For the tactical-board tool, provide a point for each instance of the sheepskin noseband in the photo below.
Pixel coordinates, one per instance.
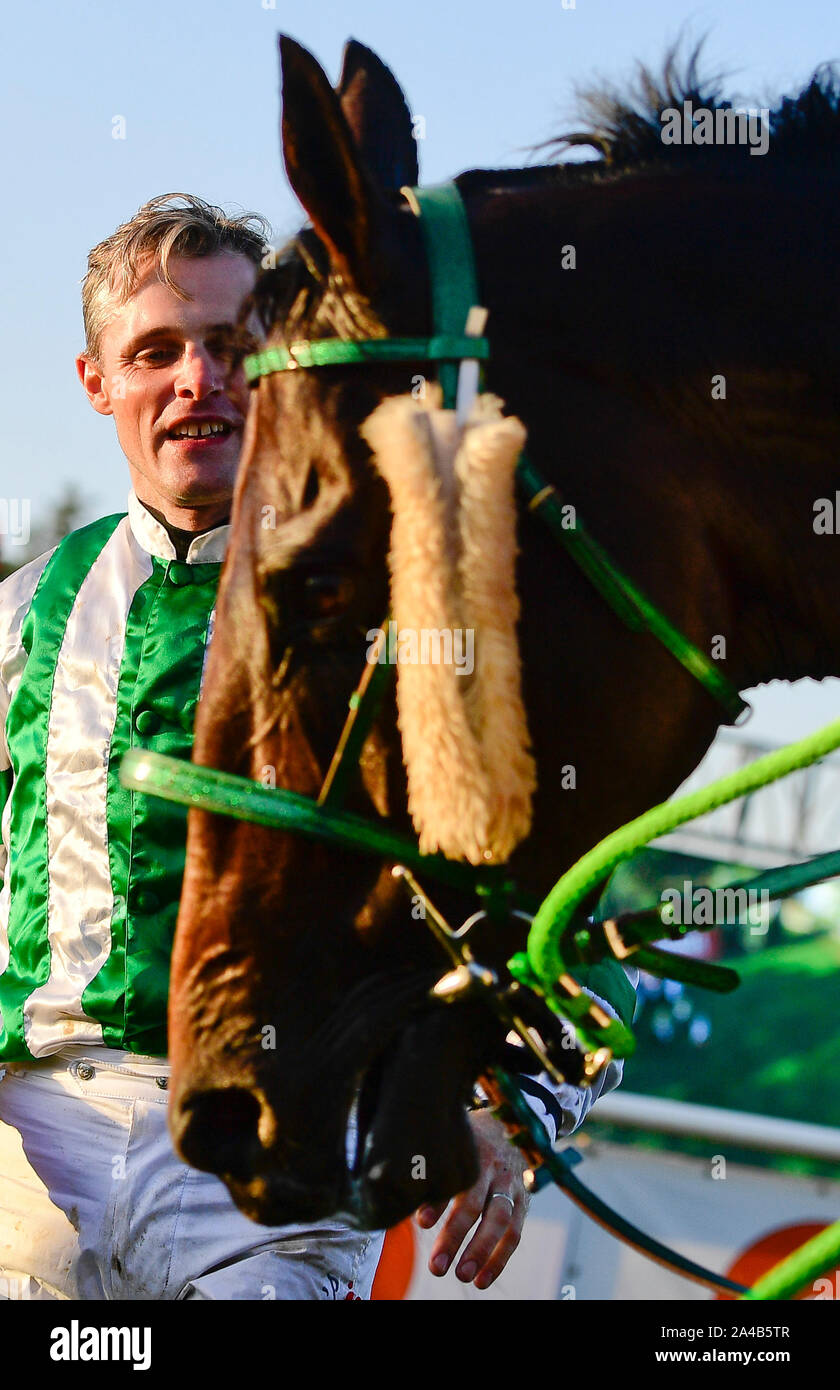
(471, 776)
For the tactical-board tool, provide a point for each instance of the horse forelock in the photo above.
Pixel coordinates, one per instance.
(301, 296)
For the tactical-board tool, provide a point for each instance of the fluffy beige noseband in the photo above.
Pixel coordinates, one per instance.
(471, 776)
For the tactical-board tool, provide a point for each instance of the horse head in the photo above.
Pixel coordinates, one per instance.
(300, 977)
(300, 972)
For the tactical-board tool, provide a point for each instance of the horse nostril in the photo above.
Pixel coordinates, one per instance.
(218, 1131)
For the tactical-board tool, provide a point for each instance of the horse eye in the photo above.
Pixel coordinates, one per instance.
(326, 595)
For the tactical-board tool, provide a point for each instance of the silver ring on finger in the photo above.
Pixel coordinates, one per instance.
(505, 1198)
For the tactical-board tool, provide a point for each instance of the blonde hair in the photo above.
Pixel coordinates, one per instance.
(171, 224)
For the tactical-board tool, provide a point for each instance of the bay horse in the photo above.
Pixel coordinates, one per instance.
(679, 384)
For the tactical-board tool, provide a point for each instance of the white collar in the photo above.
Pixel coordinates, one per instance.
(154, 538)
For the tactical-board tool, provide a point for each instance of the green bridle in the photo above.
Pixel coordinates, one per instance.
(558, 942)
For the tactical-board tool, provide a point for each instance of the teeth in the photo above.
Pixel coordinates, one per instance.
(196, 431)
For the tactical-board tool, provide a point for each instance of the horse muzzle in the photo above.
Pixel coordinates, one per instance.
(289, 1157)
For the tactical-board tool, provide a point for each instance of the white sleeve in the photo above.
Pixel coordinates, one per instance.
(564, 1107)
(15, 597)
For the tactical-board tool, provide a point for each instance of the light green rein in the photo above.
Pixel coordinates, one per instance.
(543, 963)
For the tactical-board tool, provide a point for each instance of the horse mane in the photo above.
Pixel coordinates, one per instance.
(625, 128)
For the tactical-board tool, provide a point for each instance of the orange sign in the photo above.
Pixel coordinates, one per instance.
(760, 1257)
(396, 1263)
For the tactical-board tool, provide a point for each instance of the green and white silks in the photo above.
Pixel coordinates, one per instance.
(102, 646)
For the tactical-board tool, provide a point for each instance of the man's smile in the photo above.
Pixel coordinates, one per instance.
(200, 433)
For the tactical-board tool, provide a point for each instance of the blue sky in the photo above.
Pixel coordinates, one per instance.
(196, 84)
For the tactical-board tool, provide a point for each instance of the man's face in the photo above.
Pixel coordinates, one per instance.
(168, 374)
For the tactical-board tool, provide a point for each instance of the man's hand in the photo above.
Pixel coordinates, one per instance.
(497, 1201)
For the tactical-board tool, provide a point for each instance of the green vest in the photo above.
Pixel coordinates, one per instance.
(106, 654)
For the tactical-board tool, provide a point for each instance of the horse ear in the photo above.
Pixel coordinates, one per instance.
(324, 165)
(375, 108)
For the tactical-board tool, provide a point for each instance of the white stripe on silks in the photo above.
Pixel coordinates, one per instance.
(211, 628)
(16, 594)
(15, 598)
(82, 717)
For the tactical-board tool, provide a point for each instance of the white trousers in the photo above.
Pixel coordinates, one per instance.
(94, 1203)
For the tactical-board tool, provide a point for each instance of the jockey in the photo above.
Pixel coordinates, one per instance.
(102, 647)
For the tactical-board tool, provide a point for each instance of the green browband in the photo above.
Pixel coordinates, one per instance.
(339, 352)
